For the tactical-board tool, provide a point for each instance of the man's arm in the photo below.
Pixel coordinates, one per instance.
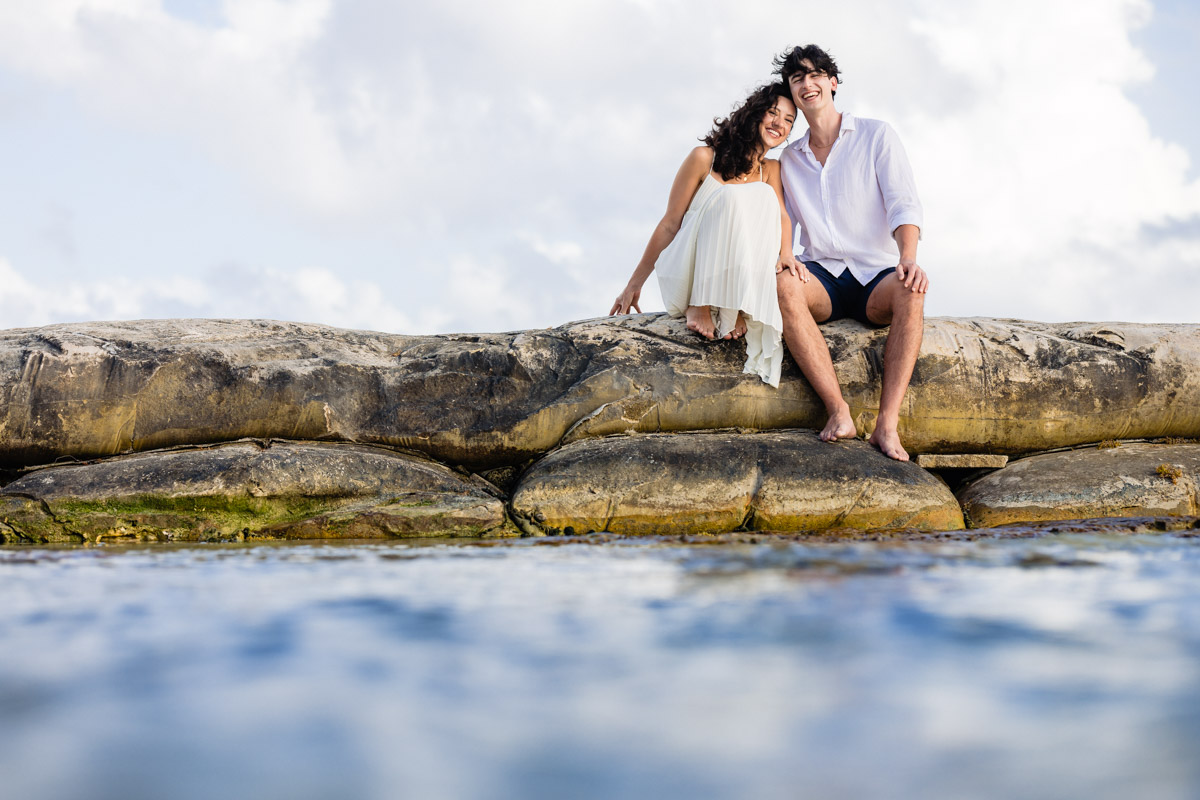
(909, 273)
(896, 183)
(904, 212)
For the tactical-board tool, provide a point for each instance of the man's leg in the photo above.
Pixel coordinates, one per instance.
(904, 309)
(801, 305)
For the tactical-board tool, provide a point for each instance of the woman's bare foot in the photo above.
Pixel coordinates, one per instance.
(739, 328)
(840, 426)
(887, 441)
(699, 319)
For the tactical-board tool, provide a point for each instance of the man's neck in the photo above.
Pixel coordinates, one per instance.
(824, 124)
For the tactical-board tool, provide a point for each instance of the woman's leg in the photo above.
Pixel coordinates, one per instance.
(739, 328)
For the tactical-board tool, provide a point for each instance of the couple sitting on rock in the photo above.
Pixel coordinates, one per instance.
(723, 250)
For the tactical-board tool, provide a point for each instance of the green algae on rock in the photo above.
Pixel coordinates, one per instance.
(722, 481)
(1125, 481)
(24, 520)
(250, 489)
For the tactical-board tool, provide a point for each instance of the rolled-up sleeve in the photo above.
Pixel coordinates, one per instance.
(896, 183)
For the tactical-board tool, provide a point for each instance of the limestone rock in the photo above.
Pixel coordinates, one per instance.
(961, 461)
(723, 481)
(250, 490)
(495, 400)
(1123, 481)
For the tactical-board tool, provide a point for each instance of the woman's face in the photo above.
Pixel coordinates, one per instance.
(777, 122)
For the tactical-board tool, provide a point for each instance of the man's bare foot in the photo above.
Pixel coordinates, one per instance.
(840, 426)
(739, 327)
(699, 319)
(887, 441)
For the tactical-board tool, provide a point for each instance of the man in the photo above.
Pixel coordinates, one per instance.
(848, 185)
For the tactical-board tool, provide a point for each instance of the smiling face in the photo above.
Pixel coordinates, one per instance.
(777, 122)
(812, 89)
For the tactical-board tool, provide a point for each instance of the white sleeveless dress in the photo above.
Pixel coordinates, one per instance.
(724, 256)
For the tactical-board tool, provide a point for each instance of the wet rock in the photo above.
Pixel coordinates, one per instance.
(284, 490)
(24, 520)
(1133, 480)
(724, 481)
(497, 400)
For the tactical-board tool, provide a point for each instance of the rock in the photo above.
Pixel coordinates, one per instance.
(961, 461)
(104, 388)
(490, 401)
(724, 481)
(283, 490)
(24, 520)
(1133, 480)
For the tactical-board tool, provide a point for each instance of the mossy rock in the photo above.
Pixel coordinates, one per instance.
(24, 520)
(246, 490)
(724, 481)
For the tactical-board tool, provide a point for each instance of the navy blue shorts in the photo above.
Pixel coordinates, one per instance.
(847, 296)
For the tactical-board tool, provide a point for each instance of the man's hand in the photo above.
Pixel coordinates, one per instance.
(626, 300)
(912, 276)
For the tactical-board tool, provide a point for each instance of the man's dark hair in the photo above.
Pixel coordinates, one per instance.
(735, 140)
(788, 64)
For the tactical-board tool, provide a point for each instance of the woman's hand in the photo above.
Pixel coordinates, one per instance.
(691, 174)
(788, 261)
(626, 300)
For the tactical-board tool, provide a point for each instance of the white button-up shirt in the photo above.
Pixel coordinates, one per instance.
(848, 209)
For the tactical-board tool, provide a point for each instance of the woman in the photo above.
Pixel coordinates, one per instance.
(726, 233)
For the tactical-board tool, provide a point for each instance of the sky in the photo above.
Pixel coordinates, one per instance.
(489, 166)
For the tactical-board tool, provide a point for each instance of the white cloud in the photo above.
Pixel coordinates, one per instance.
(24, 303)
(511, 159)
(562, 253)
(309, 294)
(471, 295)
(1046, 188)
(236, 92)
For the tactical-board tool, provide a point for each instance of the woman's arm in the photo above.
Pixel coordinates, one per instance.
(683, 189)
(787, 259)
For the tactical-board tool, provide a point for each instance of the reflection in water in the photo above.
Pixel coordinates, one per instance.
(1057, 665)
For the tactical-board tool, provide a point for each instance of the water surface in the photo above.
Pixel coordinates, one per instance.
(1062, 665)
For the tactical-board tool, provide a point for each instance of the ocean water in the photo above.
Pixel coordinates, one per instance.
(1056, 665)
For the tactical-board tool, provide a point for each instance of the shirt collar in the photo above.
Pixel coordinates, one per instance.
(847, 125)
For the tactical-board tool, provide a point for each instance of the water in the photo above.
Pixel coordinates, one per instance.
(1057, 666)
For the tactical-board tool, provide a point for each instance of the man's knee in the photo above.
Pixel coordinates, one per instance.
(791, 294)
(911, 304)
(804, 299)
(891, 300)
(908, 301)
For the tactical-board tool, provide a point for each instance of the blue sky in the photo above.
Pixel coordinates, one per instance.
(480, 166)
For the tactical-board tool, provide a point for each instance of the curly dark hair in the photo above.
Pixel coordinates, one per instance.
(735, 139)
(788, 64)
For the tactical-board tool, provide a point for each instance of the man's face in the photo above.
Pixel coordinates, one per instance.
(811, 88)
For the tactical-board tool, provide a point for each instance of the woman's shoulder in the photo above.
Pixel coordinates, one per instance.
(697, 163)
